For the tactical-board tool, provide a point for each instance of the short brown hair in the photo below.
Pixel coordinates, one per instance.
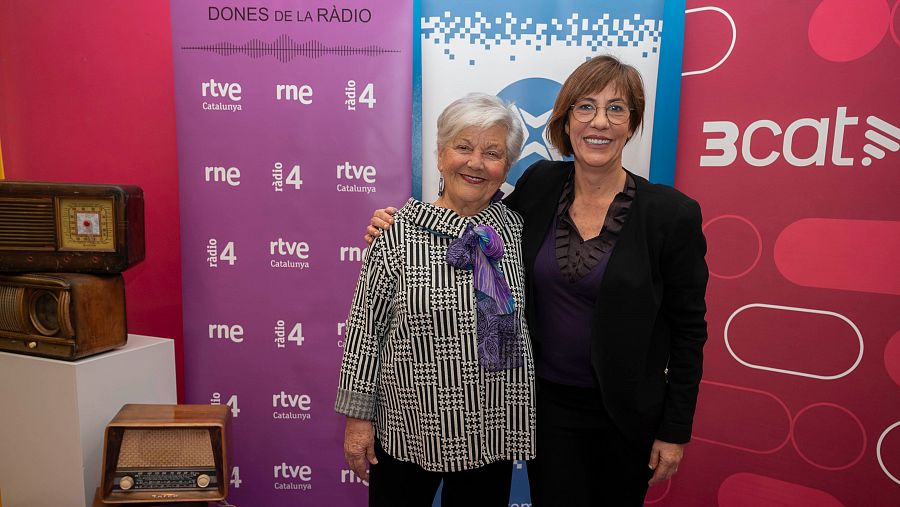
(592, 77)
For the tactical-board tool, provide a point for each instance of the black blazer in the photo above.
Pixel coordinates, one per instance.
(649, 322)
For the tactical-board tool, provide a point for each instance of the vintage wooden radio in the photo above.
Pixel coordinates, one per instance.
(165, 453)
(75, 228)
(62, 315)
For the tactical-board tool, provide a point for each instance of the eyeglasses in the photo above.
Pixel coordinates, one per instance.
(616, 113)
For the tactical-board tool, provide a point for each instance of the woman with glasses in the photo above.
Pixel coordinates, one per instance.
(615, 301)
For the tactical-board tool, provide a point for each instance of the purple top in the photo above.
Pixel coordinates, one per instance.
(568, 272)
(564, 311)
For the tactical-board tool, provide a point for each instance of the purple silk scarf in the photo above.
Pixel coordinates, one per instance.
(480, 249)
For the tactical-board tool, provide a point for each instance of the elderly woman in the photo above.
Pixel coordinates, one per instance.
(437, 380)
(616, 283)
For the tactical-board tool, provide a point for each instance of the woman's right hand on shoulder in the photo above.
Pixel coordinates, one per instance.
(381, 221)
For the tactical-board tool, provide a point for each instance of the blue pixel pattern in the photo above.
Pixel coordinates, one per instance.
(510, 32)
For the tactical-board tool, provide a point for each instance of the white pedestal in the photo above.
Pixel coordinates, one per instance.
(53, 415)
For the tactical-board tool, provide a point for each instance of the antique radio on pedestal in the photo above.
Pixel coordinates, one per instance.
(70, 227)
(52, 231)
(165, 453)
(62, 315)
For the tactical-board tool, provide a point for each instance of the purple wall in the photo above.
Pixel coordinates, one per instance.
(271, 253)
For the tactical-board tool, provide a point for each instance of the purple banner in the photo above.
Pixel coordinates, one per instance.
(293, 123)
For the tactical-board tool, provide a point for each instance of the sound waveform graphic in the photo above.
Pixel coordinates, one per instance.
(285, 49)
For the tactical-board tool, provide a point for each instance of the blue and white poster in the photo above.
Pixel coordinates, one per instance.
(523, 52)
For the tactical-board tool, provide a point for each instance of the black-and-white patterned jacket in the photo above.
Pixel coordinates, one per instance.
(410, 356)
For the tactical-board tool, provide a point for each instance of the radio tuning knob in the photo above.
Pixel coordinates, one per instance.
(32, 345)
(126, 483)
(202, 480)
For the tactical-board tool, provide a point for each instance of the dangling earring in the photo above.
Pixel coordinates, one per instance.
(441, 187)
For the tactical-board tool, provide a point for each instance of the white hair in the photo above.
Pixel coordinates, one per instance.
(483, 111)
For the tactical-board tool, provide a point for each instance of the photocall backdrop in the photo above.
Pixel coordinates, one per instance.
(294, 122)
(788, 138)
(522, 52)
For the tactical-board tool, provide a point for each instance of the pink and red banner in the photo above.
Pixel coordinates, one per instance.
(293, 123)
(788, 137)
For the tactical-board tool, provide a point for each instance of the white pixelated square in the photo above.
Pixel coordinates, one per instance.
(88, 223)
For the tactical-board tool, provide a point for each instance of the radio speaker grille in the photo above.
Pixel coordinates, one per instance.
(10, 304)
(166, 448)
(27, 223)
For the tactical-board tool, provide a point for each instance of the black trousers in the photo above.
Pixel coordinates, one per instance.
(395, 483)
(583, 460)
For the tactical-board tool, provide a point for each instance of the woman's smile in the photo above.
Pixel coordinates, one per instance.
(474, 180)
(597, 140)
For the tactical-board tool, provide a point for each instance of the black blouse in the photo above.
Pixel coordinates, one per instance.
(576, 256)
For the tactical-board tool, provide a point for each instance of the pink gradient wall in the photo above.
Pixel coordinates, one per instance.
(86, 95)
(798, 404)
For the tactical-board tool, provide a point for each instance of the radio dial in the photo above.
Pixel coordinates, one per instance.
(126, 483)
(202, 480)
